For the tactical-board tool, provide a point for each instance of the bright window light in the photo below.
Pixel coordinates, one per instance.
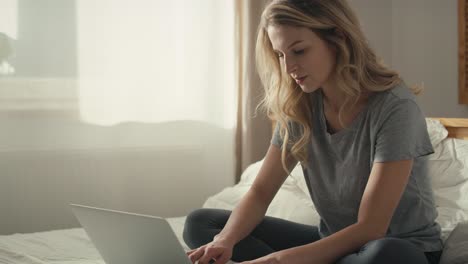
(9, 18)
(156, 61)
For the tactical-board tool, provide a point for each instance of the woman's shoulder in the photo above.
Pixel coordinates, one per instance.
(397, 95)
(399, 92)
(398, 101)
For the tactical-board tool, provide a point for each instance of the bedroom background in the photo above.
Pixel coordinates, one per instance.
(163, 152)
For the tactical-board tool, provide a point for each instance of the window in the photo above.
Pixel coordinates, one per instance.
(115, 61)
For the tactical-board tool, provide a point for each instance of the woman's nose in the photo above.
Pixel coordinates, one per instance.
(291, 65)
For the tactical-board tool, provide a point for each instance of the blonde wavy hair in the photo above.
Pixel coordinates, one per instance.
(358, 71)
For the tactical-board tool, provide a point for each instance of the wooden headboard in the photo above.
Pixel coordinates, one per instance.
(457, 127)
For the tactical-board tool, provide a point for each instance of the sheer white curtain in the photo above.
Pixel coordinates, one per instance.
(127, 104)
(8, 29)
(156, 61)
(8, 18)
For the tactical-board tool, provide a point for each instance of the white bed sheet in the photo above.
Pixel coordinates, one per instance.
(68, 246)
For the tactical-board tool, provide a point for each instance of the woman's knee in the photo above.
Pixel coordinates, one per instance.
(198, 216)
(392, 250)
(207, 217)
(192, 225)
(200, 223)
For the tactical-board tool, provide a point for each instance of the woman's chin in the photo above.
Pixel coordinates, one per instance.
(308, 88)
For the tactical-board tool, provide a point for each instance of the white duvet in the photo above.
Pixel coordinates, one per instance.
(53, 247)
(68, 246)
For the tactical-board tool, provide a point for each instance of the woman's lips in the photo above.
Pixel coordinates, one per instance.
(300, 81)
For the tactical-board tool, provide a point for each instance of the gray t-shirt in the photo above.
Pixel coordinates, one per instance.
(391, 127)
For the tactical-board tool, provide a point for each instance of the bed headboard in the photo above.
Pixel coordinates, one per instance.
(457, 127)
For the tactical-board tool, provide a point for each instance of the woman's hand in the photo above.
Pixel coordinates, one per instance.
(273, 258)
(219, 251)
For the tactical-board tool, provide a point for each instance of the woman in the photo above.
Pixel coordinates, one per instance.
(361, 140)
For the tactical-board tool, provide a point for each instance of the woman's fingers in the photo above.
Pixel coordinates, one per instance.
(196, 254)
(191, 251)
(210, 253)
(223, 259)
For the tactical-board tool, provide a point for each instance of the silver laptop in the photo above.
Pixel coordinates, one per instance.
(124, 238)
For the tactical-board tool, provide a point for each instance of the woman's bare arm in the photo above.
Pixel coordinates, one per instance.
(253, 206)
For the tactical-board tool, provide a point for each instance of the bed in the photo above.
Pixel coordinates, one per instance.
(448, 168)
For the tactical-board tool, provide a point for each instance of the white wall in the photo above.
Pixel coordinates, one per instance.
(376, 19)
(425, 48)
(419, 39)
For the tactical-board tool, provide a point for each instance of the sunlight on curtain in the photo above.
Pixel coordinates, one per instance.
(156, 61)
(8, 30)
(9, 18)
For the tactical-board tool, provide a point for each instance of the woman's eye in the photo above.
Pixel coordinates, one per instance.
(298, 52)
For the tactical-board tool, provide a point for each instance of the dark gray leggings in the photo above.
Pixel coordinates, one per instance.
(275, 234)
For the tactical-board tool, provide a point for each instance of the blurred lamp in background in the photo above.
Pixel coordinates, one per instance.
(6, 51)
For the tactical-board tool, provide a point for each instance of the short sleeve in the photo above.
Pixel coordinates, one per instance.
(294, 134)
(277, 140)
(402, 134)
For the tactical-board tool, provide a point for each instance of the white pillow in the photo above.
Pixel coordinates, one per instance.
(290, 203)
(448, 219)
(437, 132)
(448, 166)
(448, 171)
(295, 179)
(455, 249)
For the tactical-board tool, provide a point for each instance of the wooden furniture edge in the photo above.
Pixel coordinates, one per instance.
(457, 127)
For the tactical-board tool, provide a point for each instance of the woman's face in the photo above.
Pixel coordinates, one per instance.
(303, 55)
